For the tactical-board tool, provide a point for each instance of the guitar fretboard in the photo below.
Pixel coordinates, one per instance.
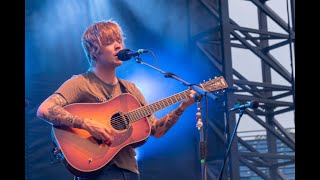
(156, 106)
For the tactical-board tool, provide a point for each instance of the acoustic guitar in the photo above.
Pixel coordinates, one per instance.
(127, 119)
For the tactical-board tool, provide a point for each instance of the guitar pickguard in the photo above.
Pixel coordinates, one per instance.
(119, 138)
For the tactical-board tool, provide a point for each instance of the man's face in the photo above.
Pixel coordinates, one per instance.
(107, 54)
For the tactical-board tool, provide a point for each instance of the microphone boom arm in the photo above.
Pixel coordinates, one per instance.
(198, 89)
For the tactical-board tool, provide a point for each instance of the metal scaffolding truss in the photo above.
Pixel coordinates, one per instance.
(215, 36)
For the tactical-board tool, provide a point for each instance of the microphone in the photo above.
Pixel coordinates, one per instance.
(126, 54)
(252, 104)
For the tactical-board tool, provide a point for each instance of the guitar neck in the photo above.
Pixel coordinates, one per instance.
(147, 110)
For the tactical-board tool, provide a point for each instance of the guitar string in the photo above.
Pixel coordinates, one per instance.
(118, 121)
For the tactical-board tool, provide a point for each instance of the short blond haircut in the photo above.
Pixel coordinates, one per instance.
(99, 34)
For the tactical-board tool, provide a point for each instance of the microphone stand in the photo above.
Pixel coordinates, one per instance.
(198, 89)
(202, 145)
(229, 146)
(198, 98)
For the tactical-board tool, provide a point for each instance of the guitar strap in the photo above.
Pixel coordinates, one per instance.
(122, 87)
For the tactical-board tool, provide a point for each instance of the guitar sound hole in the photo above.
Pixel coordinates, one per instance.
(120, 121)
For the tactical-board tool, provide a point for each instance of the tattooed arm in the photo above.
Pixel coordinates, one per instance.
(161, 126)
(52, 111)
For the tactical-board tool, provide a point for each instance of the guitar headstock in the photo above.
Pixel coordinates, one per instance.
(218, 83)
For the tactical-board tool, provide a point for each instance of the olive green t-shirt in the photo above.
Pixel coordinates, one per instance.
(88, 88)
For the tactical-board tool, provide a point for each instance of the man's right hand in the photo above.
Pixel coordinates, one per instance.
(98, 130)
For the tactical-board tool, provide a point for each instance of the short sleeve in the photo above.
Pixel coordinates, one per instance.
(70, 89)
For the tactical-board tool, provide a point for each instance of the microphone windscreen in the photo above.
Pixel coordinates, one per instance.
(254, 104)
(123, 55)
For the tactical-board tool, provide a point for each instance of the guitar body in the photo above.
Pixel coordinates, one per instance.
(82, 152)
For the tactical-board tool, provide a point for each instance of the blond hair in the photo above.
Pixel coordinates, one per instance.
(99, 34)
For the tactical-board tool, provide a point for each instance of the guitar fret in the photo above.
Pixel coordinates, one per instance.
(169, 101)
(153, 108)
(159, 105)
(156, 106)
(132, 117)
(176, 98)
(180, 96)
(141, 114)
(172, 100)
(165, 103)
(145, 113)
(162, 104)
(136, 115)
(129, 116)
(148, 110)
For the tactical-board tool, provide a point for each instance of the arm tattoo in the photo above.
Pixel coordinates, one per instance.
(178, 112)
(56, 110)
(59, 116)
(162, 126)
(78, 122)
(58, 100)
